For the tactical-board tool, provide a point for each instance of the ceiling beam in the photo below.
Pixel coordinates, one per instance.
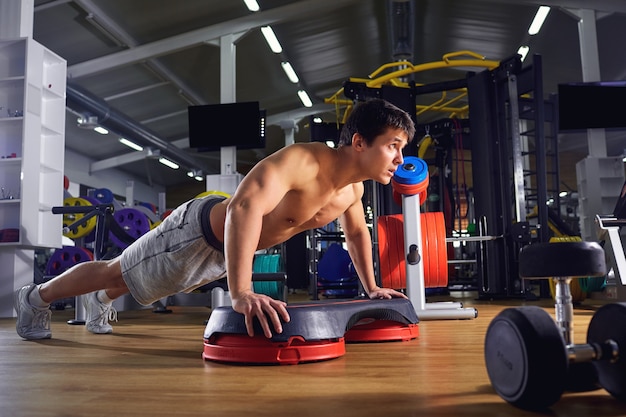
(113, 30)
(120, 160)
(199, 36)
(608, 6)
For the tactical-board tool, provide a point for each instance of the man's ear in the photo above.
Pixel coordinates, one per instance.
(358, 142)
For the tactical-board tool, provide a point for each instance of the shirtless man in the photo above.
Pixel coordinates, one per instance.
(300, 187)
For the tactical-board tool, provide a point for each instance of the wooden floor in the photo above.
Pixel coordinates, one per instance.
(152, 366)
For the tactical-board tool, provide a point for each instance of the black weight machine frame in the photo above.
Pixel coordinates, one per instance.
(496, 106)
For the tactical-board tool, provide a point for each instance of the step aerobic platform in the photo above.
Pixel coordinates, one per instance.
(317, 331)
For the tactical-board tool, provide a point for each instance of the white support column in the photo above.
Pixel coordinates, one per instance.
(590, 63)
(228, 68)
(162, 204)
(228, 92)
(289, 129)
(130, 193)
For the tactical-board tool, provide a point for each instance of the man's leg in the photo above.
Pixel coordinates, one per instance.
(32, 302)
(84, 278)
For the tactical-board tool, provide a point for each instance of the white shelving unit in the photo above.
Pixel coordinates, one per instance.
(32, 148)
(32, 142)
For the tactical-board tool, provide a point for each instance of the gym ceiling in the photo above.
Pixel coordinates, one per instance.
(149, 60)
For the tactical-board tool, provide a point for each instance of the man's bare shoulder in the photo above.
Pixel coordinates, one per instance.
(302, 157)
(315, 150)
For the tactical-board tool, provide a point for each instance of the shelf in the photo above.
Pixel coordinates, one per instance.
(16, 79)
(11, 119)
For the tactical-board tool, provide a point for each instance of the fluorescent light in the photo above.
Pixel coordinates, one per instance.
(168, 163)
(304, 98)
(190, 174)
(101, 130)
(252, 5)
(523, 51)
(541, 15)
(317, 119)
(330, 143)
(563, 194)
(199, 178)
(291, 74)
(271, 39)
(131, 144)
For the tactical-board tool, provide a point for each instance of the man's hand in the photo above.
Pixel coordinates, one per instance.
(262, 307)
(385, 293)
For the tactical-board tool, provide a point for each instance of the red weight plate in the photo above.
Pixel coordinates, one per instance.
(383, 251)
(442, 249)
(427, 247)
(398, 264)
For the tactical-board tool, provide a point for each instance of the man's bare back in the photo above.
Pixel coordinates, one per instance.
(314, 199)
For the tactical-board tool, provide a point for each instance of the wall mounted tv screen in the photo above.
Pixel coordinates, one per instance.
(214, 126)
(592, 105)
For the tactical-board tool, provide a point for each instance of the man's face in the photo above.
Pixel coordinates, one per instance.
(384, 156)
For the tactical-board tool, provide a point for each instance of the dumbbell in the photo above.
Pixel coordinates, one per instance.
(531, 359)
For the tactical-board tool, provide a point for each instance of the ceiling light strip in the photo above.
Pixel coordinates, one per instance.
(305, 99)
(291, 74)
(271, 39)
(252, 5)
(131, 144)
(540, 17)
(168, 163)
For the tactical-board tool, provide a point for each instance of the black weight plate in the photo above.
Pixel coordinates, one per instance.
(563, 259)
(609, 323)
(526, 357)
(582, 377)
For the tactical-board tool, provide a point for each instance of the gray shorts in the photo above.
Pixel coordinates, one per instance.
(173, 257)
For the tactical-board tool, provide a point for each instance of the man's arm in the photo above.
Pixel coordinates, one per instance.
(359, 243)
(257, 195)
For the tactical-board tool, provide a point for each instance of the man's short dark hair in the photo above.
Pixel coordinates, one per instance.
(372, 118)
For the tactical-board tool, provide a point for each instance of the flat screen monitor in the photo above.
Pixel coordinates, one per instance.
(592, 105)
(213, 126)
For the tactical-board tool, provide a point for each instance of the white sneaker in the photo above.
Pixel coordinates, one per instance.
(98, 314)
(32, 322)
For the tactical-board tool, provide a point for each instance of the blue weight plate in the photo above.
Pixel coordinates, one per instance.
(104, 195)
(414, 170)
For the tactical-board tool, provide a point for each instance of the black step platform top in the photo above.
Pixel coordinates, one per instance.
(317, 320)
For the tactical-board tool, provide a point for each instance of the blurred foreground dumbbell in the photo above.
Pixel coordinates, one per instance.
(531, 359)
